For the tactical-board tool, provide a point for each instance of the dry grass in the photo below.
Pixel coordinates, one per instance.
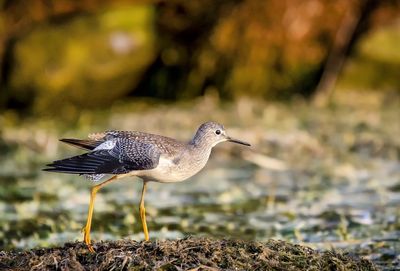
(184, 254)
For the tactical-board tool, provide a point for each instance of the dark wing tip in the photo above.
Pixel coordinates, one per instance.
(67, 140)
(85, 144)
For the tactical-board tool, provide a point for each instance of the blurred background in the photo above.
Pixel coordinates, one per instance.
(314, 85)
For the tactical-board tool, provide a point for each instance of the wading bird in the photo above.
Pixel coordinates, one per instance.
(147, 156)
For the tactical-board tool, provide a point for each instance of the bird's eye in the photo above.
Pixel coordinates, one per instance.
(218, 132)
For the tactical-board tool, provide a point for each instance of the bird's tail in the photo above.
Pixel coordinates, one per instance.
(85, 144)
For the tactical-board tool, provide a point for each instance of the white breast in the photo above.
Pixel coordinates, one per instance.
(167, 172)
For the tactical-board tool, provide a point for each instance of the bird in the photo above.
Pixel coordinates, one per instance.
(117, 154)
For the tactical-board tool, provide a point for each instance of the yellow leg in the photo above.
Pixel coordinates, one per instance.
(142, 211)
(86, 229)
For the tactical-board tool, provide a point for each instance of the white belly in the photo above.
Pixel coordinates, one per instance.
(167, 172)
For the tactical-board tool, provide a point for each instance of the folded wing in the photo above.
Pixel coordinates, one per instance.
(115, 156)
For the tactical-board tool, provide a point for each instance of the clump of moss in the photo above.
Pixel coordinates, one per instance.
(189, 253)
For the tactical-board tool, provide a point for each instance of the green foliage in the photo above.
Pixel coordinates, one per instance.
(85, 57)
(88, 61)
(376, 62)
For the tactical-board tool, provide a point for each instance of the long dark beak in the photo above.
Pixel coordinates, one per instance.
(237, 141)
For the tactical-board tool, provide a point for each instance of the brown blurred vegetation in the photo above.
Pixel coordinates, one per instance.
(88, 54)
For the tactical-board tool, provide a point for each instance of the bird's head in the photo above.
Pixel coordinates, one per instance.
(212, 133)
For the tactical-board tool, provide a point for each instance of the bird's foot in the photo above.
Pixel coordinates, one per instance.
(86, 238)
(90, 248)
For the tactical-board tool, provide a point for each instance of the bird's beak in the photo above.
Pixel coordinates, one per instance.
(230, 139)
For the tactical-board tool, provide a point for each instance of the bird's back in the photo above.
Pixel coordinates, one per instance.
(167, 146)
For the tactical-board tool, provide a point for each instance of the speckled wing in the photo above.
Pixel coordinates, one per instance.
(135, 155)
(114, 156)
(166, 145)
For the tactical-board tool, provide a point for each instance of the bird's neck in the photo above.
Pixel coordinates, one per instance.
(199, 149)
(199, 143)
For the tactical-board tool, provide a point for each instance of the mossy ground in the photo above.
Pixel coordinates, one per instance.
(183, 254)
